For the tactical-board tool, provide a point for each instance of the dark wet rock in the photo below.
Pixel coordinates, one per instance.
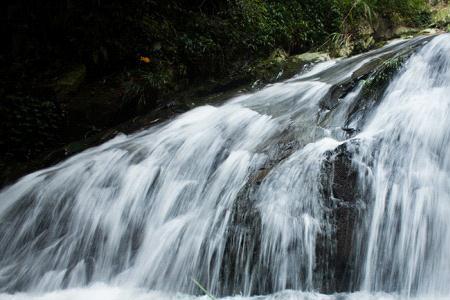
(371, 69)
(343, 198)
(243, 246)
(335, 264)
(372, 90)
(340, 90)
(243, 243)
(384, 29)
(350, 131)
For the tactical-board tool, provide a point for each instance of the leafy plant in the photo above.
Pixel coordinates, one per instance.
(143, 87)
(29, 126)
(203, 289)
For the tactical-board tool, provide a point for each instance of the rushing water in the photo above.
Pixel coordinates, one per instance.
(233, 196)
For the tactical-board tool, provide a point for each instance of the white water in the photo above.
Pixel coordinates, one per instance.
(407, 142)
(140, 216)
(102, 291)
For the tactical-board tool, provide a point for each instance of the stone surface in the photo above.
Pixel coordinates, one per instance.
(310, 57)
(280, 66)
(343, 198)
(430, 31)
(402, 31)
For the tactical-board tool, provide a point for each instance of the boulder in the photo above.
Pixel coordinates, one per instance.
(280, 66)
(403, 31)
(269, 70)
(383, 29)
(296, 63)
(342, 197)
(429, 31)
(309, 57)
(363, 44)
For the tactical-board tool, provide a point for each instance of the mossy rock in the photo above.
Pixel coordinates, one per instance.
(309, 57)
(429, 31)
(269, 69)
(280, 66)
(374, 85)
(344, 49)
(278, 56)
(70, 81)
(295, 63)
(363, 44)
(403, 31)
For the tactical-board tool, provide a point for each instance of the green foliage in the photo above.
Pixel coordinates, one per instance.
(184, 41)
(28, 121)
(142, 87)
(441, 16)
(339, 43)
(203, 289)
(210, 38)
(364, 22)
(410, 12)
(245, 30)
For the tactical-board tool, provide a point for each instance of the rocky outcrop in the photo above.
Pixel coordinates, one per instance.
(365, 71)
(336, 268)
(243, 246)
(343, 198)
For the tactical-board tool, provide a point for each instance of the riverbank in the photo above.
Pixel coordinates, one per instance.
(59, 102)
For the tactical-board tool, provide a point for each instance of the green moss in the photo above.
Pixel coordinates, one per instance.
(280, 66)
(267, 70)
(376, 83)
(363, 44)
(404, 31)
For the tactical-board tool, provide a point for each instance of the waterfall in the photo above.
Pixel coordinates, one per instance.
(248, 198)
(406, 143)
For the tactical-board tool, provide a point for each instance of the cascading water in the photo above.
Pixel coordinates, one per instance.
(406, 148)
(236, 197)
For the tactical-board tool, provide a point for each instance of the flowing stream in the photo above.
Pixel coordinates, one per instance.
(239, 197)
